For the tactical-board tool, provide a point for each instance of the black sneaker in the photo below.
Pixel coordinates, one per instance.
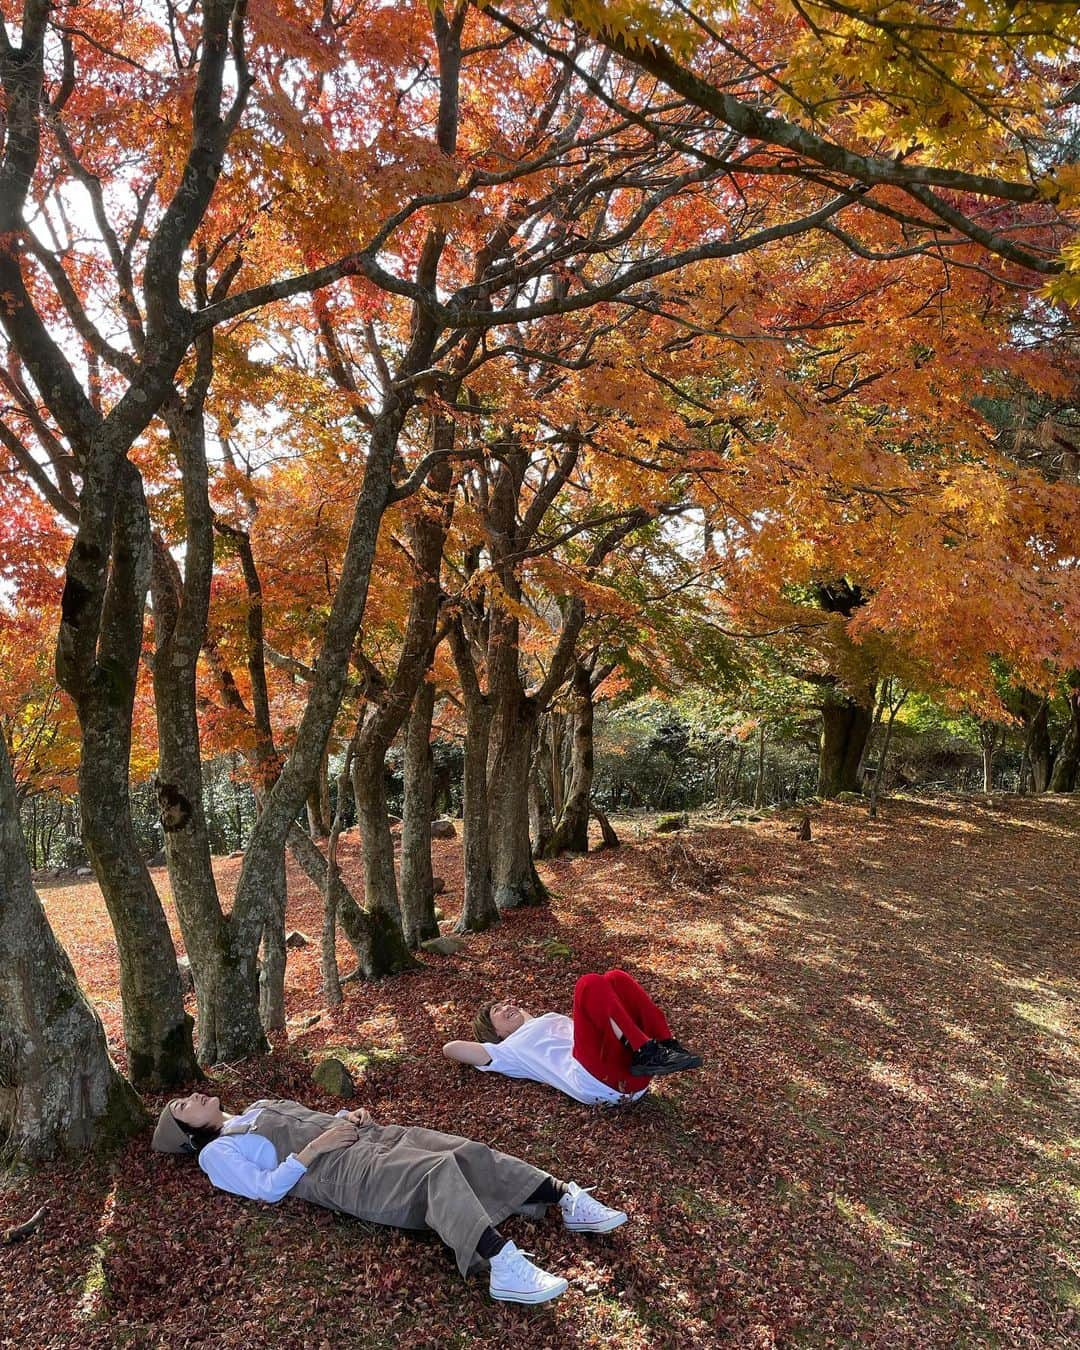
(654, 1059)
(672, 1044)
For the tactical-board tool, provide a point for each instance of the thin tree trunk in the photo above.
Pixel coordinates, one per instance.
(541, 825)
(228, 986)
(389, 954)
(331, 979)
(572, 831)
(1067, 764)
(759, 781)
(609, 839)
(318, 802)
(417, 878)
(880, 774)
(478, 910)
(157, 1031)
(59, 1090)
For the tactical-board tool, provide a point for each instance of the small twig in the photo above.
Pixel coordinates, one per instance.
(22, 1231)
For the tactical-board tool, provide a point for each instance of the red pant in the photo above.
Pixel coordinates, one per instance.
(599, 999)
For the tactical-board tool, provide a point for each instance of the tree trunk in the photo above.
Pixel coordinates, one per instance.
(290, 790)
(331, 977)
(157, 1031)
(318, 802)
(389, 952)
(608, 839)
(479, 910)
(227, 987)
(513, 876)
(353, 920)
(274, 955)
(541, 825)
(1037, 745)
(572, 832)
(845, 727)
(1067, 765)
(759, 781)
(59, 1090)
(879, 776)
(417, 879)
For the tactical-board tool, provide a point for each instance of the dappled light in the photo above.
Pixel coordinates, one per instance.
(889, 1096)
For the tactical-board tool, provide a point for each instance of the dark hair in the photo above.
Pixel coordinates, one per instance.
(200, 1135)
(485, 1027)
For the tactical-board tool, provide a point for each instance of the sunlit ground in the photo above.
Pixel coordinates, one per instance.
(883, 1148)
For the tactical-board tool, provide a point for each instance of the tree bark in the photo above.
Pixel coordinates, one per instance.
(1067, 765)
(1036, 716)
(541, 824)
(417, 878)
(572, 831)
(478, 910)
(318, 802)
(845, 727)
(389, 953)
(157, 1031)
(228, 987)
(59, 1090)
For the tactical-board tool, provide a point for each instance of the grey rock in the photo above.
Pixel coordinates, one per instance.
(443, 829)
(333, 1077)
(302, 1023)
(438, 885)
(84, 871)
(297, 939)
(447, 945)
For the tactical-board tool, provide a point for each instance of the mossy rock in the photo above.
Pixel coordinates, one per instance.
(359, 1059)
(851, 798)
(668, 824)
(334, 1078)
(555, 948)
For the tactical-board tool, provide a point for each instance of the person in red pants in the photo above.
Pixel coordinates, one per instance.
(608, 1052)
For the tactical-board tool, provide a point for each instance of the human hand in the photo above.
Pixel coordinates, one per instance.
(360, 1116)
(339, 1135)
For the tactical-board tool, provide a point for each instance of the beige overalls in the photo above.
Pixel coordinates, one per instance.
(406, 1176)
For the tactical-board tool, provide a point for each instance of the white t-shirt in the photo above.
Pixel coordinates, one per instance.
(543, 1049)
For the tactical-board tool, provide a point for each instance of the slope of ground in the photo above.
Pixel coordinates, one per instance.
(883, 1148)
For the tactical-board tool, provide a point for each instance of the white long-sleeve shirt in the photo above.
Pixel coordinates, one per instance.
(247, 1164)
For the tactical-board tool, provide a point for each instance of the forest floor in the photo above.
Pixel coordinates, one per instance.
(883, 1148)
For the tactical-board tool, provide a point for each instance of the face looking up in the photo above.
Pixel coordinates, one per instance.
(506, 1017)
(199, 1111)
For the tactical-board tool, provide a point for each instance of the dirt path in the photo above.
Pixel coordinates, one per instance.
(883, 1148)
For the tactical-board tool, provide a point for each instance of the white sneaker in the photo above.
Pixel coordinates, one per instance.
(582, 1214)
(515, 1279)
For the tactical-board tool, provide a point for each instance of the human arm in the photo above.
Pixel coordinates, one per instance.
(247, 1165)
(468, 1052)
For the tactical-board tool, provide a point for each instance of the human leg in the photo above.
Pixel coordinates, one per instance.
(598, 1047)
(640, 1006)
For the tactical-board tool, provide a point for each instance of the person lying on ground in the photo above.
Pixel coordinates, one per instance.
(402, 1176)
(615, 1043)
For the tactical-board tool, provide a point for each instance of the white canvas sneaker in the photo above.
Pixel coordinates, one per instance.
(514, 1278)
(582, 1214)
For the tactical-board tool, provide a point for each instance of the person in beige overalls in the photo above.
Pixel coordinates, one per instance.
(399, 1175)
